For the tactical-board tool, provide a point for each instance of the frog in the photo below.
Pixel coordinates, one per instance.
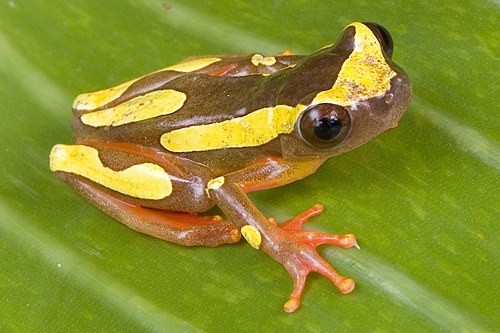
(157, 151)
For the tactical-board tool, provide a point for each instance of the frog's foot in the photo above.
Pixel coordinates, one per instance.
(299, 256)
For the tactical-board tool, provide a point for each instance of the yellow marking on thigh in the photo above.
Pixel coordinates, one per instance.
(252, 236)
(254, 129)
(145, 181)
(97, 99)
(364, 75)
(153, 104)
(215, 183)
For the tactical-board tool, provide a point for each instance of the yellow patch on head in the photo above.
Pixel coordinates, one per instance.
(95, 100)
(153, 104)
(254, 129)
(365, 74)
(260, 59)
(252, 236)
(145, 181)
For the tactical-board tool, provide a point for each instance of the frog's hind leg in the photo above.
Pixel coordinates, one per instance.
(143, 187)
(176, 227)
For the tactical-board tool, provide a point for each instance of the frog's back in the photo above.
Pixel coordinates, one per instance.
(199, 91)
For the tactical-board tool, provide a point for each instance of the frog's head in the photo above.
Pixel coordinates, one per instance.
(354, 92)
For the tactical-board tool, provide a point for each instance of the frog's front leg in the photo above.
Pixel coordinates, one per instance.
(288, 244)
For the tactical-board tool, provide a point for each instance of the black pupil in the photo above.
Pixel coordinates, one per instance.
(327, 128)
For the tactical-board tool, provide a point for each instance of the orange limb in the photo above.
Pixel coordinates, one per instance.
(308, 258)
(288, 243)
(270, 172)
(176, 227)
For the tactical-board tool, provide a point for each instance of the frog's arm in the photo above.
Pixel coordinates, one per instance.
(288, 244)
(270, 172)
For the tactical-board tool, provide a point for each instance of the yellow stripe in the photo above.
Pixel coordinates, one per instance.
(365, 74)
(192, 65)
(254, 129)
(146, 180)
(154, 104)
(94, 100)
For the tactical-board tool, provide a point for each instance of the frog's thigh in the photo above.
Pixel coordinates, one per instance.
(103, 188)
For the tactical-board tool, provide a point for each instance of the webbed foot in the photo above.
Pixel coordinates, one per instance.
(296, 250)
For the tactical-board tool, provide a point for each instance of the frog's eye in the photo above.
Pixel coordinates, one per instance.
(324, 125)
(383, 36)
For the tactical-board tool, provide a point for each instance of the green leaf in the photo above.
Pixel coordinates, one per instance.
(422, 199)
